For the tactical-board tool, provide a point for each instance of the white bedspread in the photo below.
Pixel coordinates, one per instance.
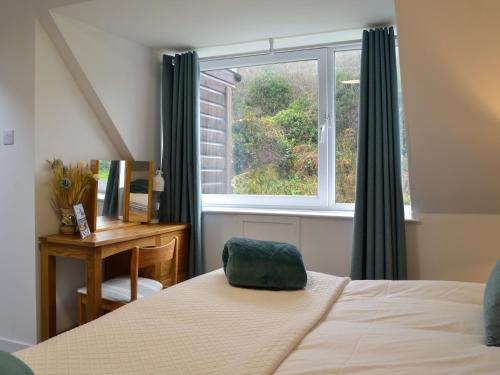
(202, 326)
(403, 327)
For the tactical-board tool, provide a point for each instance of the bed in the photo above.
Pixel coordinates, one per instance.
(333, 326)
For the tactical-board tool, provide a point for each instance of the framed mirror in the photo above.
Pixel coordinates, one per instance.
(122, 194)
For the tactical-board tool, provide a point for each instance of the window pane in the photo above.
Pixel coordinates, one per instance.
(347, 70)
(259, 129)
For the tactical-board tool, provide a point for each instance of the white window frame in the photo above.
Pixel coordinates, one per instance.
(325, 199)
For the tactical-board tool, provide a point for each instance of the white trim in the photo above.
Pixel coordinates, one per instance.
(409, 218)
(355, 44)
(11, 346)
(320, 39)
(331, 129)
(275, 58)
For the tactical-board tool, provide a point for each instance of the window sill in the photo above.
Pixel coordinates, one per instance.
(284, 212)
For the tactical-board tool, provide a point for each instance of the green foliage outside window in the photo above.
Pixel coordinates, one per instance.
(275, 149)
(268, 93)
(346, 124)
(275, 130)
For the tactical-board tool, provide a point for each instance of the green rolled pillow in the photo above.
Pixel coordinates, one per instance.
(492, 307)
(259, 264)
(10, 365)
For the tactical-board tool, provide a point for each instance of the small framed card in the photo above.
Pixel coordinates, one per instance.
(81, 221)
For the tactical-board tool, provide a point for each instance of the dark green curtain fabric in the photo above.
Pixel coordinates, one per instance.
(181, 200)
(379, 249)
(110, 204)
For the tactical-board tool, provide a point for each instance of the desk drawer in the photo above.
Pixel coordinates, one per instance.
(117, 258)
(109, 250)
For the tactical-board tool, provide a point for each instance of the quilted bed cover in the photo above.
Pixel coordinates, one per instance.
(201, 326)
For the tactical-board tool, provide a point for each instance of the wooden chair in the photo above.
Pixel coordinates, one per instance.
(121, 290)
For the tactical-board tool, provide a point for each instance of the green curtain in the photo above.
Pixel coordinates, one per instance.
(379, 249)
(110, 204)
(181, 200)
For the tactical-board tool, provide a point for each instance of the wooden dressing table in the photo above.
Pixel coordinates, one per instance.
(98, 247)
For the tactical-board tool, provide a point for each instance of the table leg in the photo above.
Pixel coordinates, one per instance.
(94, 280)
(48, 291)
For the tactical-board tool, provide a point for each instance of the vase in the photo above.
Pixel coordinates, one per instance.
(68, 221)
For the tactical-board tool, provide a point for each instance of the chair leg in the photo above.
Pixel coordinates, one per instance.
(80, 308)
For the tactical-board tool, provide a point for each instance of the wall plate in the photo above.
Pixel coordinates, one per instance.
(8, 137)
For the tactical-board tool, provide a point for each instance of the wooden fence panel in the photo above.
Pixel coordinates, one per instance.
(216, 130)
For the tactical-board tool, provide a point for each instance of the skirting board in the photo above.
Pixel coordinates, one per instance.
(11, 346)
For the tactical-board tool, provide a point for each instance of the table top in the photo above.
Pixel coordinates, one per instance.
(109, 236)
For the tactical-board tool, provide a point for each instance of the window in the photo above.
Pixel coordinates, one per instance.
(272, 137)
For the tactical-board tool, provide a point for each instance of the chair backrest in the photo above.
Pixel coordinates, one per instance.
(151, 255)
(147, 256)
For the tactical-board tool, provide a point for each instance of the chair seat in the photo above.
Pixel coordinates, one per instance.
(118, 289)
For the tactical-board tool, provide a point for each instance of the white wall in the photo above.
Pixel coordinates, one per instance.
(453, 247)
(17, 222)
(67, 128)
(439, 247)
(125, 76)
(450, 59)
(324, 243)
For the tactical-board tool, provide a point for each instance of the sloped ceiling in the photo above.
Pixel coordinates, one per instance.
(119, 78)
(450, 62)
(125, 78)
(50, 4)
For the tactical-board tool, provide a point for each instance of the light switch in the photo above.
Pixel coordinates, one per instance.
(8, 137)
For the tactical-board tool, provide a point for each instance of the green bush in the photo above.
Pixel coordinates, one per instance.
(299, 121)
(268, 94)
(275, 139)
(346, 120)
(345, 165)
(268, 181)
(259, 141)
(305, 160)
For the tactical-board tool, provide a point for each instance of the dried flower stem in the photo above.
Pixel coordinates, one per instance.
(70, 184)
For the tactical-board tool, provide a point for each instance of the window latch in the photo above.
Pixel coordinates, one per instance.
(322, 130)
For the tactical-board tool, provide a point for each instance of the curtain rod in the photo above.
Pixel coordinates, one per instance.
(343, 45)
(346, 44)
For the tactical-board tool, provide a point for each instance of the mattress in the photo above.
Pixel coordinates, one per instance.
(205, 326)
(399, 327)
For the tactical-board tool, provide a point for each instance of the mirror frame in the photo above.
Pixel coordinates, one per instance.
(92, 205)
